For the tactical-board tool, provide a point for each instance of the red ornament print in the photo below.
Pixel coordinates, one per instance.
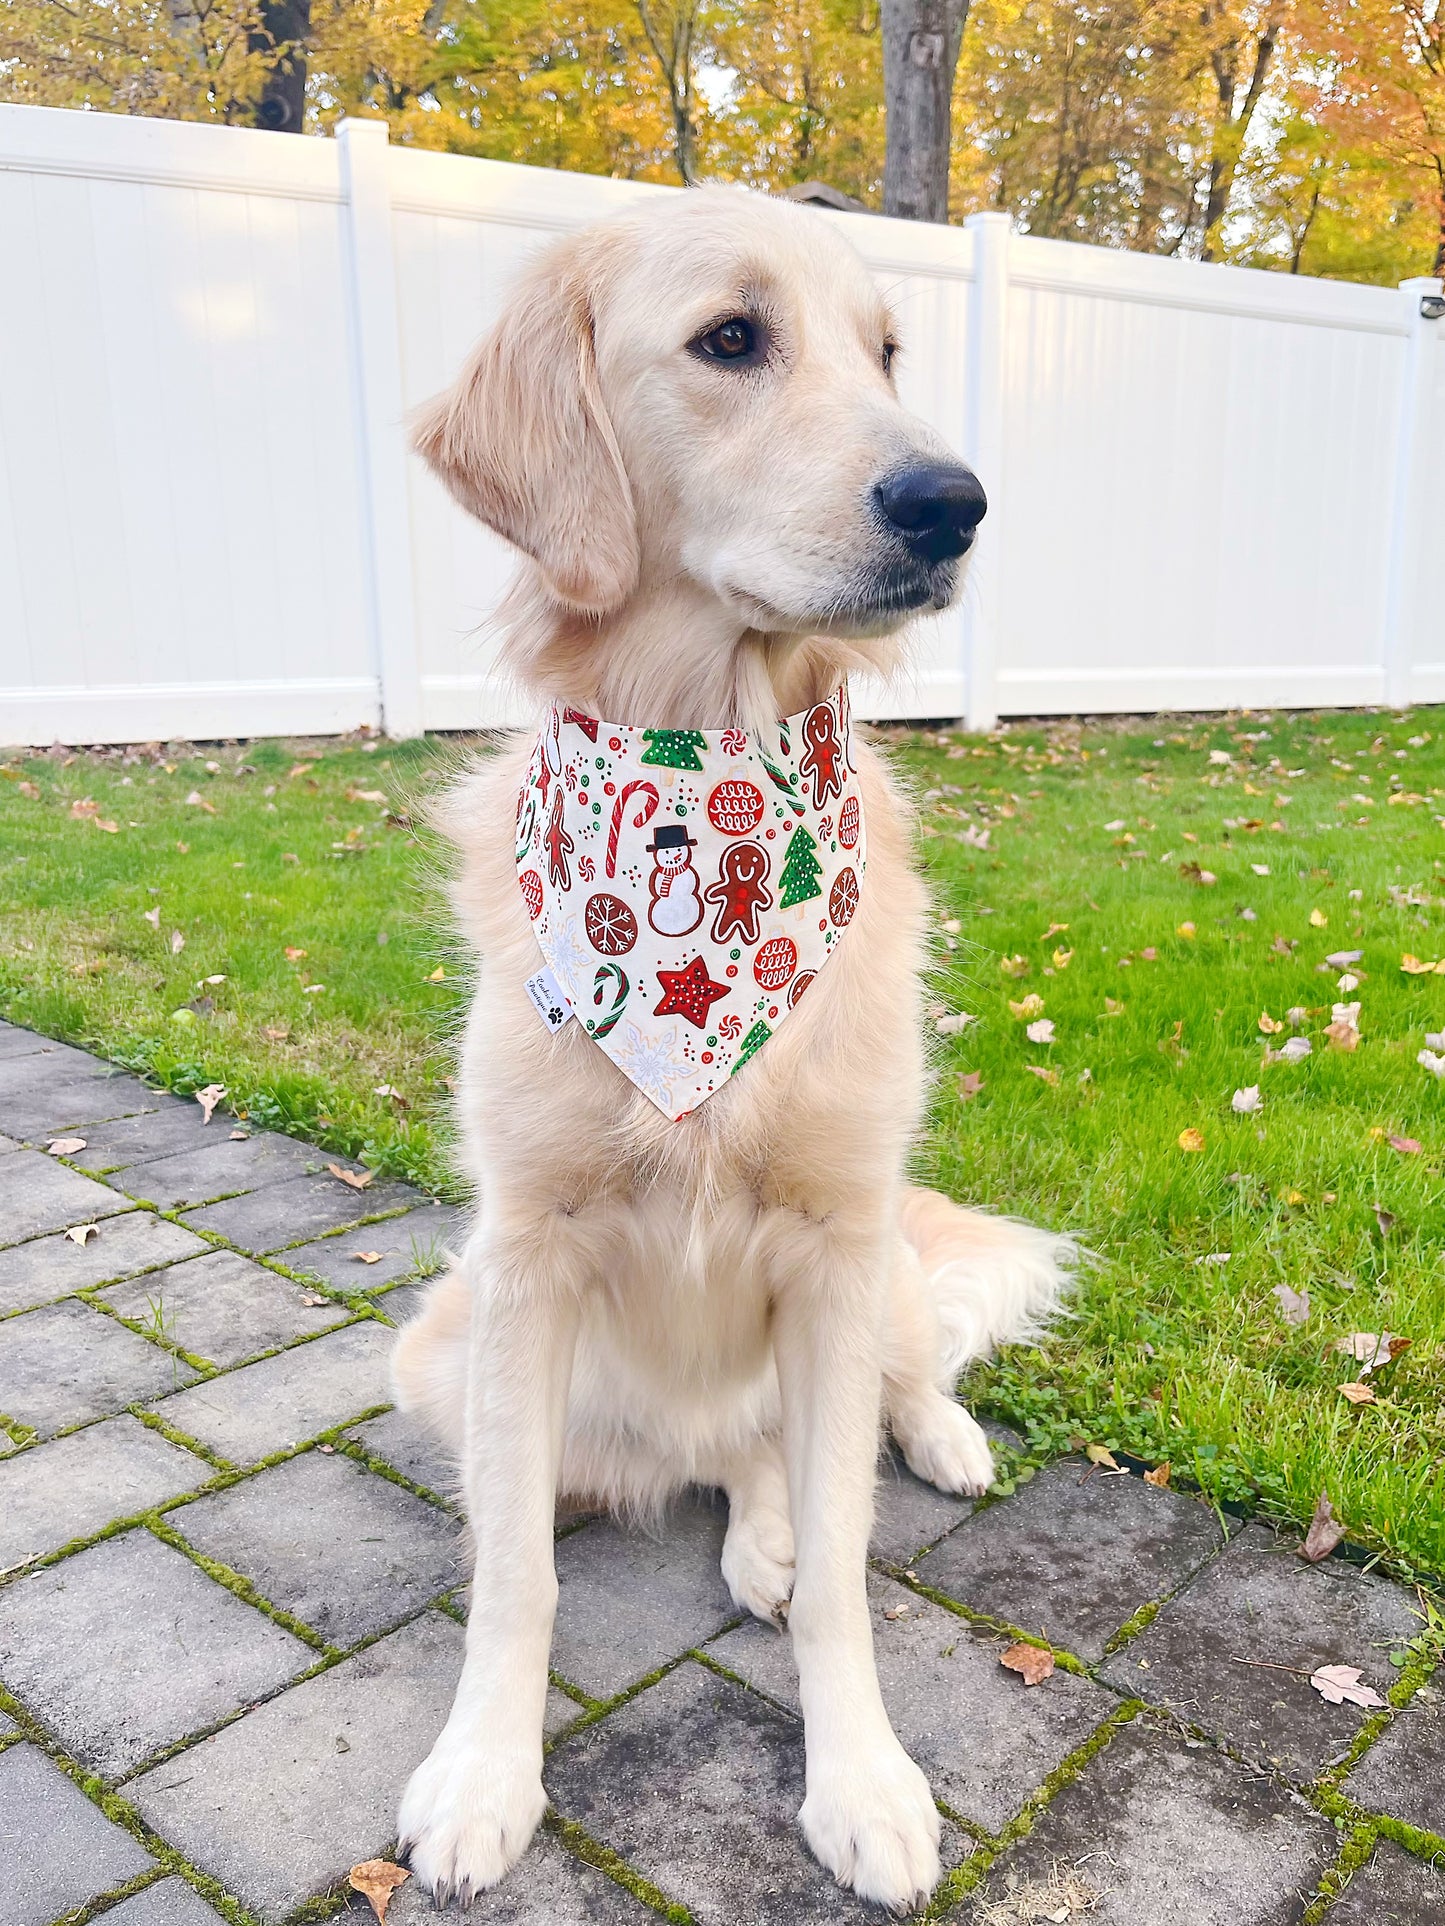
(559, 843)
(740, 891)
(843, 898)
(848, 823)
(822, 759)
(797, 987)
(735, 807)
(689, 993)
(531, 892)
(775, 962)
(611, 927)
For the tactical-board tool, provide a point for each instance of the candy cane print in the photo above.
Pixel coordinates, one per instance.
(604, 971)
(646, 810)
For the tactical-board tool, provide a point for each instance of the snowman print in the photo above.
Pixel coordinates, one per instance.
(676, 905)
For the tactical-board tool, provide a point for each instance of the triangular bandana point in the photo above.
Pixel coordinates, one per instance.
(687, 885)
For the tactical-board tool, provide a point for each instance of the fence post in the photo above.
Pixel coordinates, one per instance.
(1408, 534)
(381, 432)
(985, 400)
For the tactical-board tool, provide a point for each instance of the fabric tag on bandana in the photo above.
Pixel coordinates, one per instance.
(686, 886)
(549, 999)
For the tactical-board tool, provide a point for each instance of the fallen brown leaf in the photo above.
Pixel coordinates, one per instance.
(1294, 1306)
(276, 1032)
(438, 975)
(1159, 1476)
(29, 790)
(366, 1257)
(970, 1082)
(209, 1098)
(82, 1233)
(293, 955)
(358, 1180)
(1325, 1532)
(1342, 1036)
(1340, 1685)
(65, 1146)
(1191, 1139)
(313, 1299)
(1098, 1454)
(1031, 1662)
(178, 942)
(377, 1879)
(197, 801)
(1358, 1393)
(1043, 1075)
(1407, 1146)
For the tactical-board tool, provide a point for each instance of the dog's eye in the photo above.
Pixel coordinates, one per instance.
(890, 348)
(738, 340)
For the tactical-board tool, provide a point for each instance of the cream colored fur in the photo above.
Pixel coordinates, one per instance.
(741, 1298)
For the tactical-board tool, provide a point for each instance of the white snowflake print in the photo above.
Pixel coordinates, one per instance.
(649, 1062)
(569, 957)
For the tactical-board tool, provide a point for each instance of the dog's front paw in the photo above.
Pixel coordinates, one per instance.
(757, 1562)
(468, 1813)
(872, 1821)
(946, 1447)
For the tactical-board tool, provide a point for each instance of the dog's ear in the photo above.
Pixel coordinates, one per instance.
(524, 443)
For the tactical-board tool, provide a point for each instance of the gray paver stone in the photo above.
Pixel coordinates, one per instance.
(1073, 1556)
(39, 1194)
(280, 1803)
(217, 1168)
(631, 1600)
(404, 1245)
(1261, 1604)
(697, 1783)
(1166, 1834)
(180, 1651)
(57, 1850)
(15, 1042)
(69, 1362)
(172, 1126)
(549, 1887)
(75, 1485)
(1394, 1889)
(985, 1740)
(284, 1400)
(908, 1514)
(347, 1552)
(401, 1442)
(46, 1268)
(65, 1101)
(297, 1210)
(223, 1308)
(1403, 1773)
(170, 1902)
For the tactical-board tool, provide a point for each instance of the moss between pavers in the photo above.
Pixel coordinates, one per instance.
(965, 1879)
(121, 1813)
(105, 1902)
(588, 1849)
(1065, 1660)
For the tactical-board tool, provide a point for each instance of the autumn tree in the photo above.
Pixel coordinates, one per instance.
(921, 39)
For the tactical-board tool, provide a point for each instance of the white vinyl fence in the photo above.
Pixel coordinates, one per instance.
(1210, 487)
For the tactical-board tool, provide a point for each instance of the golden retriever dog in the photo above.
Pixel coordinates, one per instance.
(686, 422)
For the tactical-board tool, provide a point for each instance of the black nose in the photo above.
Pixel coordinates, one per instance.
(935, 507)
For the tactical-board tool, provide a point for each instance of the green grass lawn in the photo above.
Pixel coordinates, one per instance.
(1321, 834)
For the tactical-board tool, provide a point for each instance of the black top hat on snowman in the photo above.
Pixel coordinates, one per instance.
(672, 836)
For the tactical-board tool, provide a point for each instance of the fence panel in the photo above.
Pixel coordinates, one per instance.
(1209, 487)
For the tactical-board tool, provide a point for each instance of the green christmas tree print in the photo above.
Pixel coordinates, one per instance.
(751, 1044)
(799, 880)
(673, 748)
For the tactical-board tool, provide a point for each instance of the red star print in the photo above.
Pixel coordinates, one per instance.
(689, 993)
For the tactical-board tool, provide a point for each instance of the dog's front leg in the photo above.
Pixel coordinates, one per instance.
(868, 1813)
(473, 1805)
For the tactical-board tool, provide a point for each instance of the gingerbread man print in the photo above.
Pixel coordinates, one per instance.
(559, 843)
(822, 758)
(740, 891)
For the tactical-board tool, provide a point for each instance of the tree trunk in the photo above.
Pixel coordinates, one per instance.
(283, 31)
(921, 39)
(669, 32)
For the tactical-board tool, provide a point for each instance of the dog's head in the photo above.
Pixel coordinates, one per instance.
(702, 391)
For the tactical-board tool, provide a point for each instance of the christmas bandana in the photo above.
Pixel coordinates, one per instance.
(687, 885)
